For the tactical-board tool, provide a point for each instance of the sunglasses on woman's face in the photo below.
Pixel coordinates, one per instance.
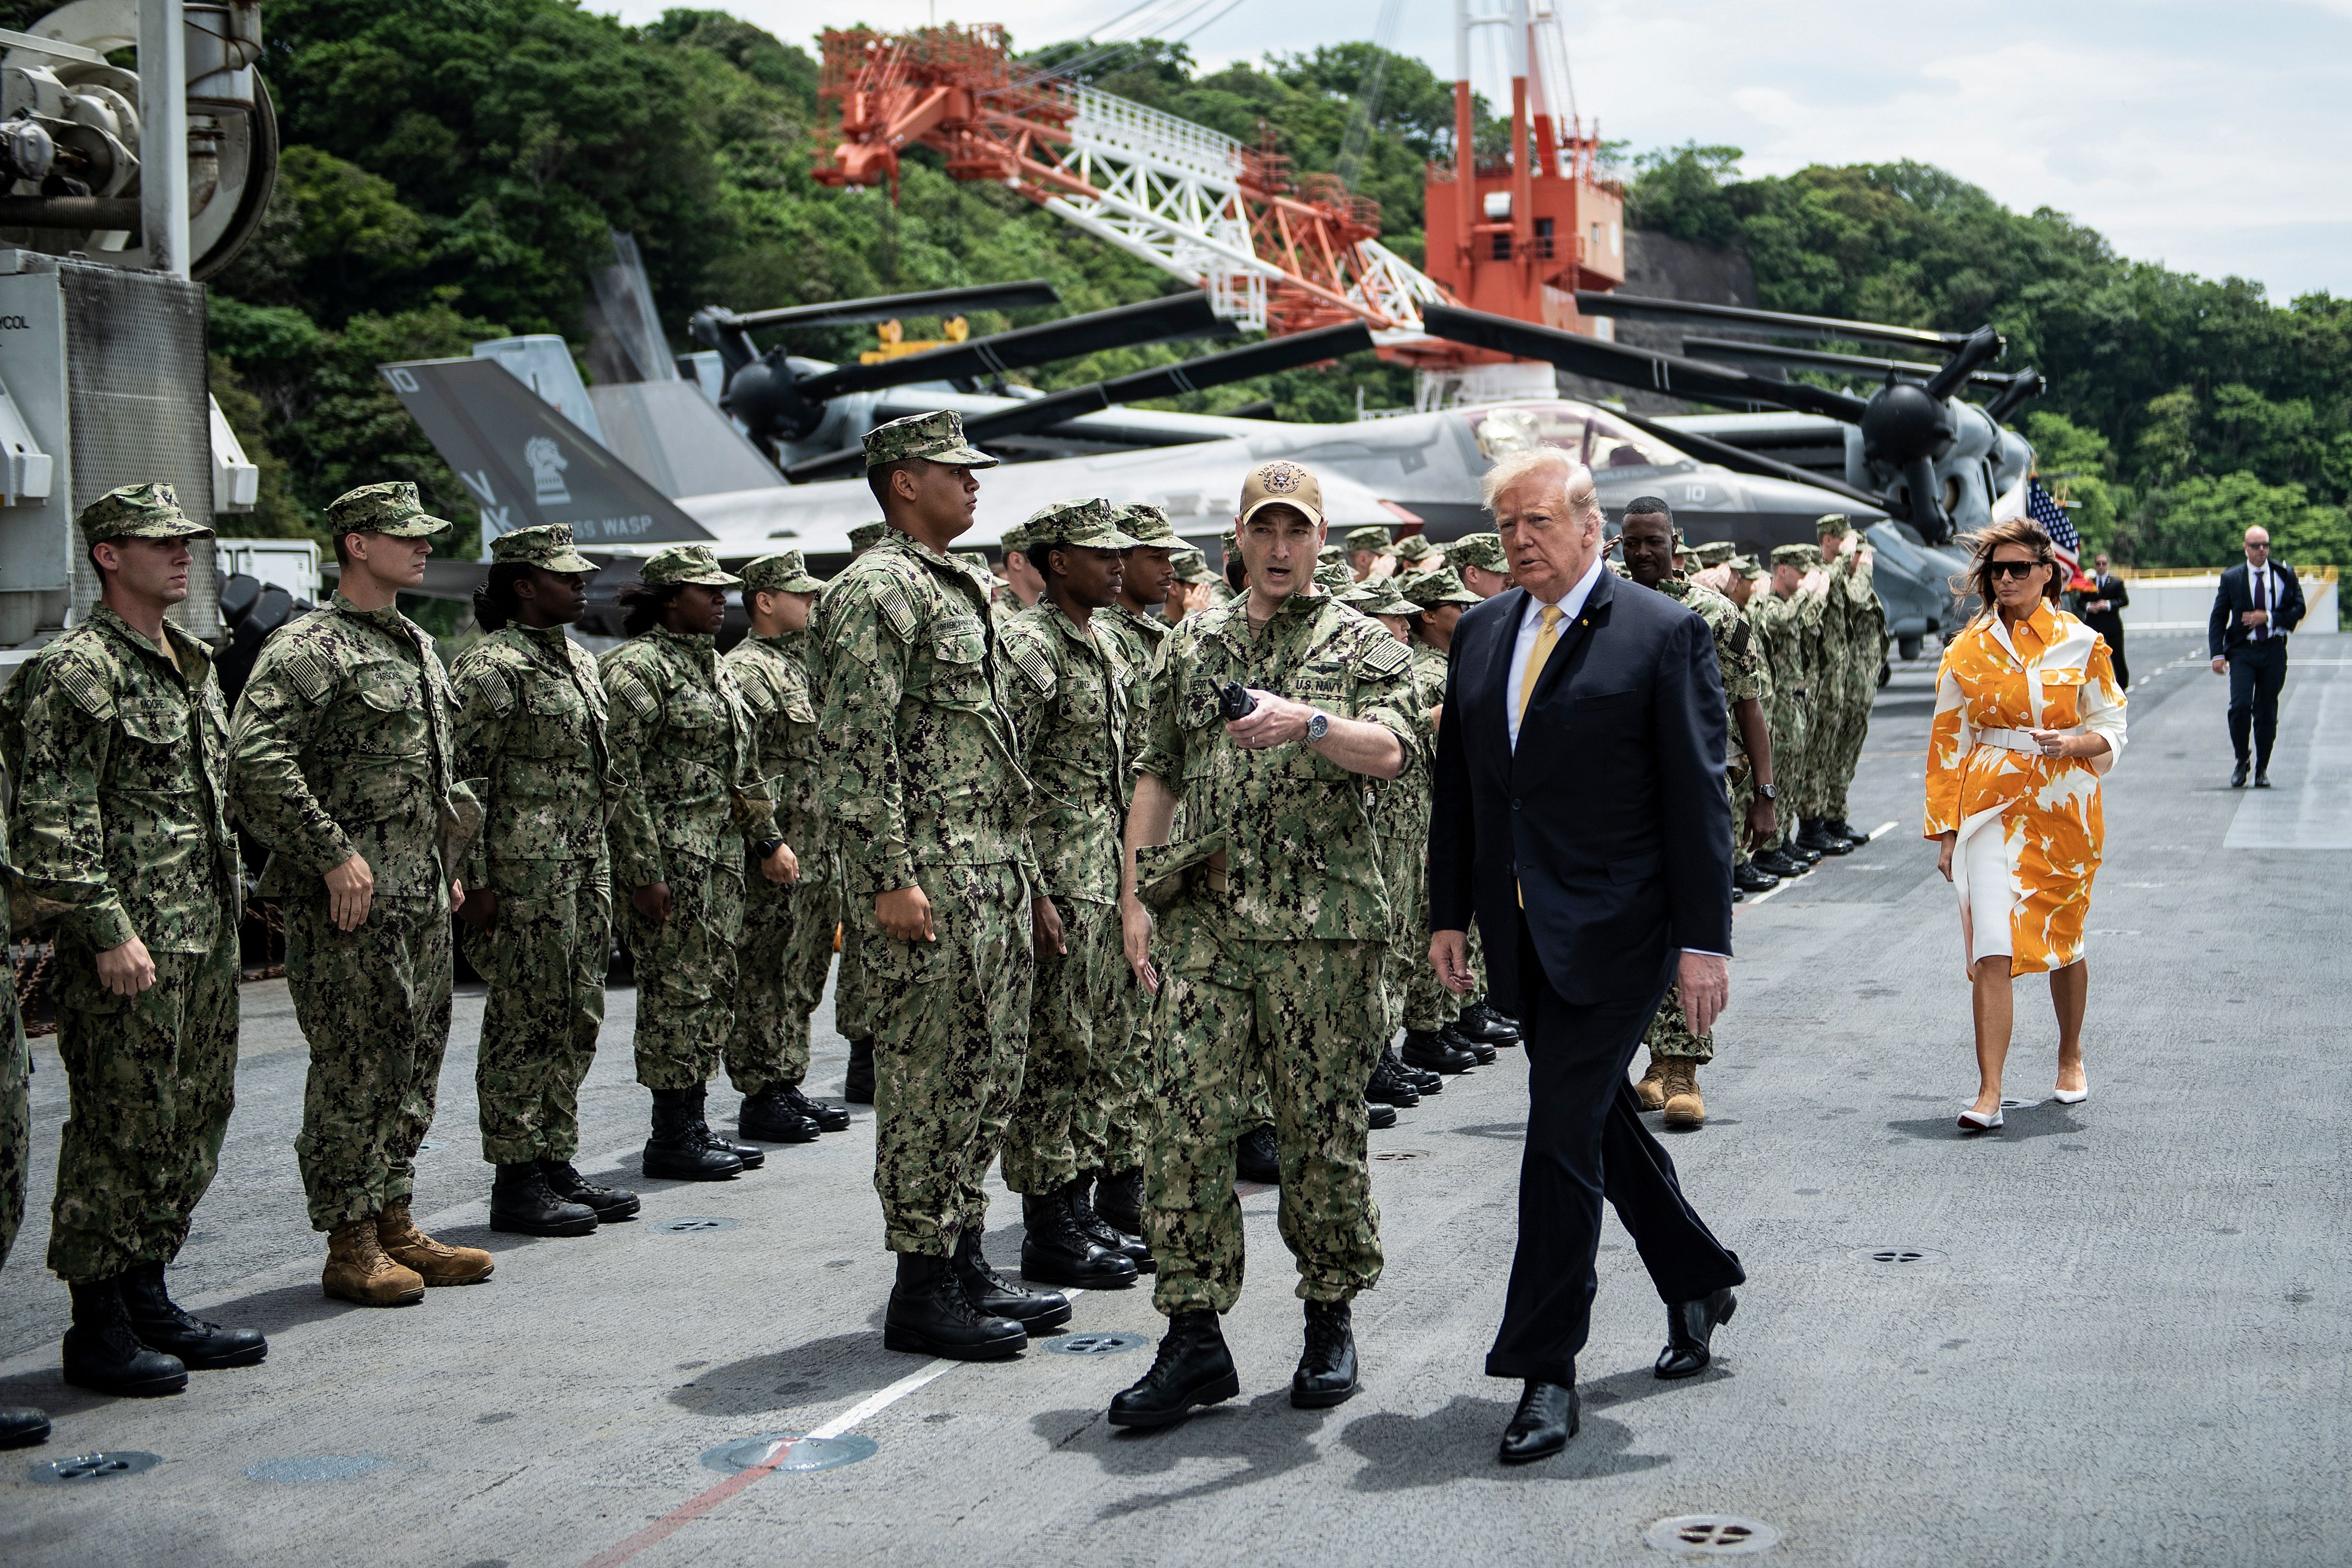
(2012, 568)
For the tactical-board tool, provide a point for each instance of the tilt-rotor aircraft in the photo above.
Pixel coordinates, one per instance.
(756, 451)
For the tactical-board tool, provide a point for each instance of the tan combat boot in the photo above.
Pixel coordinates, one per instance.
(1651, 1088)
(1684, 1107)
(439, 1264)
(357, 1270)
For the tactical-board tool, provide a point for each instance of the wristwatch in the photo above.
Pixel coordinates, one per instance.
(1319, 724)
(1767, 792)
(764, 849)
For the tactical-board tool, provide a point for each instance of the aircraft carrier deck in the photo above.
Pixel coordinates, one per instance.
(2116, 1333)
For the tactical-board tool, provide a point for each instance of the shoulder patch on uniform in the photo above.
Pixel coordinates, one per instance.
(309, 672)
(631, 688)
(80, 681)
(489, 682)
(1386, 659)
(1031, 661)
(1739, 638)
(891, 599)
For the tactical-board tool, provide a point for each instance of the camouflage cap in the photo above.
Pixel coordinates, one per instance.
(1281, 483)
(1085, 524)
(1716, 552)
(867, 535)
(138, 511)
(390, 508)
(1192, 564)
(1147, 525)
(1834, 525)
(687, 563)
(785, 572)
(978, 561)
(938, 436)
(1436, 586)
(1747, 565)
(1330, 555)
(1797, 555)
(1335, 576)
(1413, 549)
(1017, 538)
(1379, 598)
(1369, 537)
(546, 545)
(1484, 551)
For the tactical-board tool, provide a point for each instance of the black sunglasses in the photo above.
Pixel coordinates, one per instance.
(2013, 568)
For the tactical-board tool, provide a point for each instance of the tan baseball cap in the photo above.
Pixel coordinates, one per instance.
(1281, 483)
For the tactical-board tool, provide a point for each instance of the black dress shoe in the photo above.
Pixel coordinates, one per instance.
(161, 1325)
(2262, 781)
(929, 1314)
(1326, 1368)
(2238, 774)
(1378, 1116)
(1193, 1369)
(102, 1351)
(858, 1083)
(610, 1203)
(1054, 1252)
(1436, 1053)
(679, 1149)
(828, 1117)
(1480, 1023)
(992, 1295)
(1095, 1227)
(1257, 1158)
(770, 1118)
(1547, 1418)
(1118, 1198)
(522, 1204)
(21, 1426)
(1389, 1087)
(1749, 877)
(1690, 1326)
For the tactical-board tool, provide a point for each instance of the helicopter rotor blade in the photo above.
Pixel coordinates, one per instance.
(1740, 460)
(1731, 351)
(1983, 347)
(886, 306)
(1176, 316)
(1685, 312)
(1644, 368)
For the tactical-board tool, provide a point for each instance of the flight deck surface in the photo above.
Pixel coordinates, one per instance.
(2114, 1334)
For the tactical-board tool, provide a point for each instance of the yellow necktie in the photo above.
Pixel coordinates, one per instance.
(1547, 636)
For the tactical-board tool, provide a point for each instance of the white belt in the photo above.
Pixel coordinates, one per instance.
(2016, 740)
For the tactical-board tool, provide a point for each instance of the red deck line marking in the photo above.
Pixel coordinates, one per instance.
(688, 1512)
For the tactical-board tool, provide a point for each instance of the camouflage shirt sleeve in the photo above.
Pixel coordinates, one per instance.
(866, 662)
(1160, 740)
(68, 729)
(485, 708)
(275, 715)
(631, 709)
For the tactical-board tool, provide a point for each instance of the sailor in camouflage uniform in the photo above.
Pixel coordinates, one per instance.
(1068, 679)
(1366, 548)
(925, 790)
(691, 804)
(21, 1426)
(342, 764)
(115, 738)
(538, 902)
(849, 1010)
(1478, 559)
(1860, 623)
(1203, 589)
(1676, 1053)
(1777, 617)
(787, 930)
(1269, 949)
(1432, 1042)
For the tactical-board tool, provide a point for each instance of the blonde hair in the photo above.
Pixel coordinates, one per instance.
(1516, 467)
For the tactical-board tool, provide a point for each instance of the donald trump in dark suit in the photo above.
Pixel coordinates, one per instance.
(1581, 817)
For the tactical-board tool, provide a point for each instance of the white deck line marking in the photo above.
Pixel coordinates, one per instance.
(873, 1405)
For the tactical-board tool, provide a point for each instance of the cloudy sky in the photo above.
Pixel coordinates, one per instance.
(2213, 138)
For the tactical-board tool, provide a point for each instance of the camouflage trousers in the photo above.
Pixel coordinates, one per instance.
(152, 1078)
(375, 1005)
(1404, 871)
(1844, 754)
(15, 1125)
(1061, 1123)
(1669, 1034)
(686, 974)
(1300, 1016)
(950, 1022)
(1129, 1127)
(544, 958)
(852, 1013)
(1788, 719)
(769, 1045)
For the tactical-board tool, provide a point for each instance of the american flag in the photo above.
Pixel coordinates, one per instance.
(2064, 541)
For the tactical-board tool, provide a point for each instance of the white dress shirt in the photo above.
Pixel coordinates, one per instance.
(2262, 583)
(1531, 623)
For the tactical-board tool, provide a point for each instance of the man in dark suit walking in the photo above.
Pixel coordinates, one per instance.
(2101, 605)
(2257, 605)
(1582, 815)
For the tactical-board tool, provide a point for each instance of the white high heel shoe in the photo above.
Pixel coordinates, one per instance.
(1972, 1122)
(2072, 1096)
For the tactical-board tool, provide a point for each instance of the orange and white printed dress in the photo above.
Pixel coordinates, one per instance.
(2030, 826)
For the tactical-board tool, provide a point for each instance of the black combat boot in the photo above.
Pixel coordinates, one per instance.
(1437, 1052)
(1481, 1022)
(1118, 1198)
(750, 1156)
(1326, 1368)
(610, 1203)
(1388, 1086)
(679, 1150)
(522, 1204)
(1815, 835)
(858, 1083)
(1778, 862)
(161, 1325)
(1378, 1116)
(1423, 1081)
(828, 1117)
(21, 1426)
(770, 1118)
(103, 1351)
(1257, 1157)
(1193, 1369)
(1750, 877)
(1054, 1251)
(931, 1315)
(1091, 1224)
(992, 1295)
(1481, 1053)
(1838, 827)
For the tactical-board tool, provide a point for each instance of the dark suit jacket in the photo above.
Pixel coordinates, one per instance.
(1611, 818)
(2108, 623)
(2223, 630)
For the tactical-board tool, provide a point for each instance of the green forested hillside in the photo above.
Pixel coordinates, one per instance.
(453, 167)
